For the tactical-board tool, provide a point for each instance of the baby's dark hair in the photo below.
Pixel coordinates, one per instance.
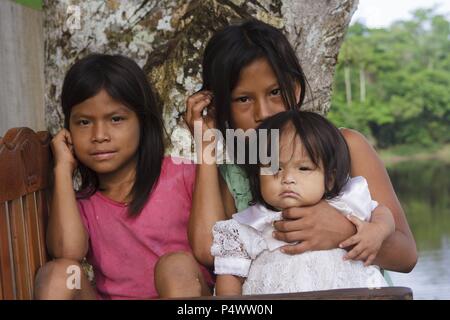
(323, 142)
(125, 82)
(235, 47)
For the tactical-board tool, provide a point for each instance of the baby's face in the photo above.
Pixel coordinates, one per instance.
(298, 181)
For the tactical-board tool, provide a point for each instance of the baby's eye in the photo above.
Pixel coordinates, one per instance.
(275, 92)
(117, 119)
(305, 168)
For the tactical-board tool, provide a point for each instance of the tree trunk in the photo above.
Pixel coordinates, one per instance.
(167, 39)
(362, 84)
(348, 85)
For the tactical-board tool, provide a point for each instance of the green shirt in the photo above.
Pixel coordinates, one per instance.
(238, 184)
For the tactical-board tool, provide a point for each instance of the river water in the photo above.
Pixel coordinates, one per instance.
(423, 188)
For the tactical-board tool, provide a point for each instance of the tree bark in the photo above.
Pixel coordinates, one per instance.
(348, 85)
(362, 84)
(167, 39)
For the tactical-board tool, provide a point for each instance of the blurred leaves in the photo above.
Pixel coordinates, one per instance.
(404, 96)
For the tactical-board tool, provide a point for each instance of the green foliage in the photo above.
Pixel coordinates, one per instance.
(406, 81)
(35, 4)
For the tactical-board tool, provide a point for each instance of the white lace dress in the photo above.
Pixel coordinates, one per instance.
(244, 246)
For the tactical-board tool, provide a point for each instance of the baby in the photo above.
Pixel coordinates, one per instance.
(314, 165)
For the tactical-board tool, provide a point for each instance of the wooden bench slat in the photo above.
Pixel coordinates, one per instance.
(32, 235)
(6, 268)
(42, 218)
(20, 249)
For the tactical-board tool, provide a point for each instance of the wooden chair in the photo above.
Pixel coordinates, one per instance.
(24, 178)
(25, 166)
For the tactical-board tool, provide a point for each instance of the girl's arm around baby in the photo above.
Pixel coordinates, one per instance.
(398, 252)
(66, 234)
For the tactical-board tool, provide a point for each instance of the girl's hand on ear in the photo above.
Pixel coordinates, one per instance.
(318, 227)
(200, 109)
(63, 153)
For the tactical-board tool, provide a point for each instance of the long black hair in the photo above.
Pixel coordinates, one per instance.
(236, 46)
(324, 143)
(125, 82)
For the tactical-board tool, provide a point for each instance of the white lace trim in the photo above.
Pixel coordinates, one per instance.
(227, 240)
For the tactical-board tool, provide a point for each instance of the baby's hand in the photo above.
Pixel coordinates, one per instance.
(367, 240)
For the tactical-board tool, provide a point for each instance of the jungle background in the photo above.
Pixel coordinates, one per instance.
(393, 85)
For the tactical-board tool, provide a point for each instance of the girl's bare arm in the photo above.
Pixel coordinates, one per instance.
(208, 203)
(228, 285)
(207, 209)
(211, 202)
(66, 234)
(398, 251)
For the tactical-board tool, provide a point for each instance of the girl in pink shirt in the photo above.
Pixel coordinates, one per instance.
(133, 204)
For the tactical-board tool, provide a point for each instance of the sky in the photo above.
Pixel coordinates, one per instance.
(381, 13)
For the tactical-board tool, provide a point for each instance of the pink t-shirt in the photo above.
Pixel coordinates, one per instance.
(124, 251)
